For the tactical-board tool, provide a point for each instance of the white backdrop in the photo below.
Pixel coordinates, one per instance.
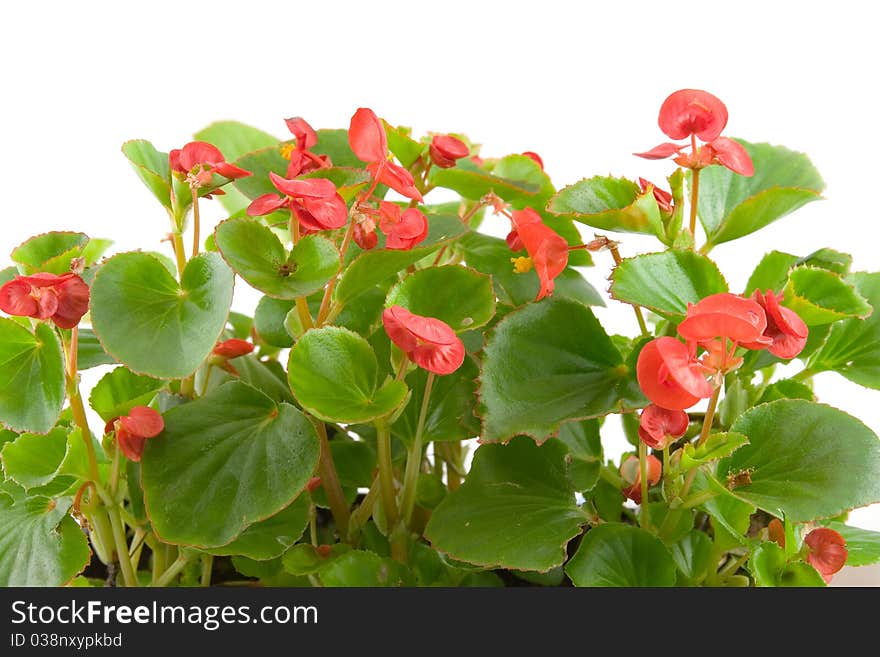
(578, 82)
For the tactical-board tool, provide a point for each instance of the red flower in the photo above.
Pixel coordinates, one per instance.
(302, 160)
(199, 160)
(514, 243)
(366, 136)
(314, 201)
(403, 229)
(233, 348)
(547, 250)
(663, 198)
(632, 475)
(658, 427)
(669, 376)
(724, 315)
(364, 233)
(132, 430)
(827, 551)
(428, 342)
(785, 329)
(446, 149)
(64, 299)
(692, 113)
(534, 156)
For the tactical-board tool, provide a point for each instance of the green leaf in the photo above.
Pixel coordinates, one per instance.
(357, 568)
(584, 458)
(40, 545)
(492, 256)
(450, 407)
(666, 282)
(152, 167)
(272, 537)
(334, 144)
(269, 321)
(89, 351)
(730, 515)
(260, 163)
(717, 446)
(31, 377)
(373, 267)
(459, 296)
(121, 390)
(771, 273)
(821, 297)
(607, 203)
(516, 509)
(224, 462)
(805, 460)
(615, 554)
(863, 545)
(304, 559)
(7, 274)
(787, 389)
(153, 325)
(257, 255)
(731, 205)
(50, 252)
(335, 376)
(33, 460)
(401, 144)
(473, 182)
(548, 363)
(693, 556)
(769, 567)
(853, 346)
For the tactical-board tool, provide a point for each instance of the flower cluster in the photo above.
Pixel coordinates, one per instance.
(673, 375)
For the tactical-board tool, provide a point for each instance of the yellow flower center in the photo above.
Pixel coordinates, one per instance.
(286, 150)
(522, 264)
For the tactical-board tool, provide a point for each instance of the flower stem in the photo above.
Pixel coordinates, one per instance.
(328, 291)
(76, 403)
(386, 473)
(302, 306)
(804, 375)
(644, 519)
(118, 527)
(704, 435)
(612, 247)
(695, 187)
(414, 458)
(362, 514)
(330, 481)
(196, 221)
(173, 571)
(207, 567)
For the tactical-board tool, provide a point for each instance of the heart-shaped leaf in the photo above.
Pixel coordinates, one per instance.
(804, 460)
(335, 376)
(272, 537)
(731, 205)
(31, 377)
(821, 297)
(257, 255)
(121, 390)
(614, 554)
(40, 545)
(853, 345)
(224, 462)
(607, 203)
(152, 324)
(50, 252)
(516, 509)
(666, 282)
(548, 363)
(32, 460)
(459, 296)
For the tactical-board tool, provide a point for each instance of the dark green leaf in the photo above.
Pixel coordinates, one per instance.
(693, 556)
(33, 460)
(615, 204)
(89, 351)
(270, 538)
(269, 321)
(615, 554)
(121, 390)
(585, 456)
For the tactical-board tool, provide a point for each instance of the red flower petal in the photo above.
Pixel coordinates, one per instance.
(692, 112)
(632, 474)
(174, 161)
(366, 136)
(446, 149)
(439, 359)
(732, 155)
(73, 302)
(785, 319)
(547, 249)
(786, 332)
(397, 178)
(668, 375)
(514, 243)
(233, 348)
(199, 152)
(43, 279)
(660, 426)
(231, 171)
(534, 156)
(723, 315)
(266, 204)
(364, 235)
(827, 551)
(660, 152)
(131, 446)
(328, 213)
(142, 421)
(393, 319)
(302, 188)
(405, 233)
(663, 198)
(306, 137)
(16, 299)
(427, 341)
(428, 329)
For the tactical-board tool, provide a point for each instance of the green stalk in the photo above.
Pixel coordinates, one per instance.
(414, 459)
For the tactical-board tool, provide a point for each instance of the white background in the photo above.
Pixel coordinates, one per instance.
(578, 82)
